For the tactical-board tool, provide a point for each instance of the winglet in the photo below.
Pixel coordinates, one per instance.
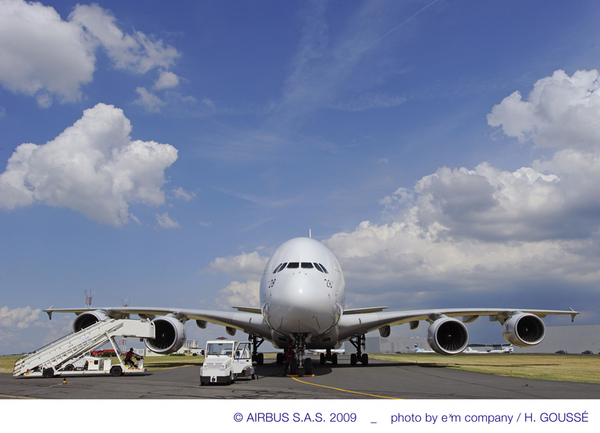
(575, 313)
(49, 311)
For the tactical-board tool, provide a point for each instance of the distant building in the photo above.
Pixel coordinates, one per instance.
(390, 345)
(571, 338)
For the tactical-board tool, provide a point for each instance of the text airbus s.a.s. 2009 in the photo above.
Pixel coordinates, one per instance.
(302, 297)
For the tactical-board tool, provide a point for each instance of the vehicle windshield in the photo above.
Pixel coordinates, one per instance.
(219, 349)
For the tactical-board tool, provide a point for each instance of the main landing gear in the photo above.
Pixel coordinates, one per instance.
(331, 357)
(259, 358)
(359, 344)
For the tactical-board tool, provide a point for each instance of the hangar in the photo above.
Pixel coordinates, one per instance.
(570, 338)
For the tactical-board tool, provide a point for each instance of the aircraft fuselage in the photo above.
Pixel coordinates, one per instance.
(302, 291)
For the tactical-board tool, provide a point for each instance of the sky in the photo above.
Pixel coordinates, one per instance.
(448, 152)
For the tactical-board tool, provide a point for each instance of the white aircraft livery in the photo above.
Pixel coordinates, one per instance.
(302, 307)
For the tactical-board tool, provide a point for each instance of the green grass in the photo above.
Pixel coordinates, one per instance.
(7, 363)
(570, 368)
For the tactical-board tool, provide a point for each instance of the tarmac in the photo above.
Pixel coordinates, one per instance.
(378, 380)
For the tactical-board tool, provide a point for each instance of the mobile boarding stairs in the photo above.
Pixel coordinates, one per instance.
(59, 357)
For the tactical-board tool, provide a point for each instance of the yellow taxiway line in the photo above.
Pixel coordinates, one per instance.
(346, 390)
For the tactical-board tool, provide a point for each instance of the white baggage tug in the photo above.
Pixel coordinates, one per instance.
(225, 361)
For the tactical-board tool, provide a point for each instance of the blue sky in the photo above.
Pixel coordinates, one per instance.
(448, 152)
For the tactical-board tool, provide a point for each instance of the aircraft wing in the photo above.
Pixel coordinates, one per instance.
(352, 325)
(246, 321)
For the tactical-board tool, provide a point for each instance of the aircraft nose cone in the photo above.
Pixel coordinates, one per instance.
(303, 305)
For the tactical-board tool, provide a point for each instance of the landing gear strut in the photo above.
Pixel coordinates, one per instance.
(259, 358)
(300, 365)
(359, 356)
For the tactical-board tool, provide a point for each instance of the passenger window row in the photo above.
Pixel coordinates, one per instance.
(303, 265)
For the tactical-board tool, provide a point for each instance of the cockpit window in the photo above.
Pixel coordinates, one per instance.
(279, 268)
(303, 265)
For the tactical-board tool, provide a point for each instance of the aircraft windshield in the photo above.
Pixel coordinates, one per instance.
(303, 265)
(219, 349)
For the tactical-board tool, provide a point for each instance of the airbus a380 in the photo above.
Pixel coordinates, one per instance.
(302, 297)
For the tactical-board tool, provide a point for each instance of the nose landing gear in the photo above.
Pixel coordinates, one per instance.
(299, 365)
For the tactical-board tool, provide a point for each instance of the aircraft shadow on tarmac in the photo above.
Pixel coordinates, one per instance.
(274, 370)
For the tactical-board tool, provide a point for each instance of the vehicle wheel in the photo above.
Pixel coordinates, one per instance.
(365, 359)
(115, 370)
(353, 359)
(48, 372)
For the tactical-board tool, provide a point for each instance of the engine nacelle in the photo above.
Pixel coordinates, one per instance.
(170, 335)
(385, 331)
(87, 319)
(524, 330)
(448, 336)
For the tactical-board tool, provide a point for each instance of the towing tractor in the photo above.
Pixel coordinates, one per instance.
(225, 361)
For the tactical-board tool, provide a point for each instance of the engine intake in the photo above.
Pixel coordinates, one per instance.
(88, 319)
(447, 336)
(524, 330)
(170, 335)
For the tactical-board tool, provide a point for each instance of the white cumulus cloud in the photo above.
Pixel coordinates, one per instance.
(42, 55)
(93, 167)
(240, 294)
(166, 222)
(20, 318)
(250, 266)
(485, 226)
(166, 80)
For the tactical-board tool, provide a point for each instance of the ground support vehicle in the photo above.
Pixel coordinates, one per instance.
(67, 356)
(225, 361)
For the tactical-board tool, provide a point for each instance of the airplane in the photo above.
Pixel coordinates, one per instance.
(302, 302)
(420, 350)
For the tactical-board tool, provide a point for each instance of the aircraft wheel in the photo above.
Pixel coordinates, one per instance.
(334, 359)
(293, 366)
(353, 359)
(322, 358)
(308, 367)
(280, 358)
(116, 370)
(365, 359)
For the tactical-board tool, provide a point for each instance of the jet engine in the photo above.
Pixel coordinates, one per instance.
(447, 336)
(170, 335)
(524, 330)
(87, 319)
